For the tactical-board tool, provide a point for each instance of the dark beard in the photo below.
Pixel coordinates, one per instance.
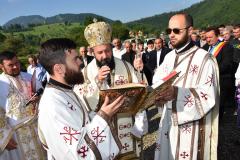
(73, 77)
(182, 42)
(106, 62)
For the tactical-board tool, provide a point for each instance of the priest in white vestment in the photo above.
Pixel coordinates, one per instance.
(18, 139)
(107, 71)
(189, 124)
(65, 128)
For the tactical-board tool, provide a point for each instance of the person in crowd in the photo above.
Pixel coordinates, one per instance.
(236, 34)
(107, 71)
(140, 47)
(223, 52)
(150, 45)
(134, 45)
(89, 51)
(129, 55)
(36, 69)
(17, 107)
(189, 122)
(236, 43)
(156, 56)
(118, 49)
(221, 29)
(86, 59)
(203, 41)
(195, 39)
(227, 35)
(65, 128)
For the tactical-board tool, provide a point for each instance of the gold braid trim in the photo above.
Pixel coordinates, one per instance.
(128, 71)
(2, 119)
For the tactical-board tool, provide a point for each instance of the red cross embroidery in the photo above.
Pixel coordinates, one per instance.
(97, 135)
(70, 106)
(194, 69)
(210, 80)
(184, 155)
(82, 90)
(83, 151)
(186, 128)
(203, 95)
(69, 134)
(125, 147)
(91, 89)
(188, 101)
(121, 80)
(158, 146)
(121, 136)
(124, 126)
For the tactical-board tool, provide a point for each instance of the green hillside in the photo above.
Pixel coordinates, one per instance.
(60, 18)
(26, 40)
(205, 13)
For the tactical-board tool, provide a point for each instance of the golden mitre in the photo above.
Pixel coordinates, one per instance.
(98, 33)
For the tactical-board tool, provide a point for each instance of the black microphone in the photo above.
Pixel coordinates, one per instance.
(39, 92)
(108, 78)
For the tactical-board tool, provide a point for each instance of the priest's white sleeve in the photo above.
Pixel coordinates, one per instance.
(68, 132)
(5, 129)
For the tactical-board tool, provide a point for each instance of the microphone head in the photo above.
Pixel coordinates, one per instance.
(104, 63)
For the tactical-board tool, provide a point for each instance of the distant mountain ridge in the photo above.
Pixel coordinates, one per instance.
(60, 18)
(205, 13)
(25, 20)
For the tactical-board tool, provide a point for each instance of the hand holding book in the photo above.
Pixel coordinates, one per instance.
(140, 96)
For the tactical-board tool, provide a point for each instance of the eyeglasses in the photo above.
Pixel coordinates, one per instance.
(175, 30)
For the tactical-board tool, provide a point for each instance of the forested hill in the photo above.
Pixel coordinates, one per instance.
(205, 13)
(60, 18)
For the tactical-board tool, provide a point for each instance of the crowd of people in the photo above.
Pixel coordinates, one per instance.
(66, 121)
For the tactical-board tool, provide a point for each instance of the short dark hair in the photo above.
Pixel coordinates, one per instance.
(236, 26)
(53, 52)
(150, 42)
(140, 42)
(221, 26)
(33, 57)
(133, 41)
(188, 18)
(6, 55)
(214, 29)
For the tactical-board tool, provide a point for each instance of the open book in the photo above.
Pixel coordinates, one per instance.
(138, 96)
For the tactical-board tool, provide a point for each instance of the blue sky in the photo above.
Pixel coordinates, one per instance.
(123, 10)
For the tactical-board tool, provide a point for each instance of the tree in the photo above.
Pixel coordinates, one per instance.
(2, 37)
(77, 34)
(88, 20)
(14, 44)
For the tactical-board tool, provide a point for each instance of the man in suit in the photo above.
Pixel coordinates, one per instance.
(157, 55)
(86, 59)
(224, 55)
(129, 56)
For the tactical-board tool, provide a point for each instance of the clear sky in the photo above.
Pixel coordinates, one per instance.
(123, 10)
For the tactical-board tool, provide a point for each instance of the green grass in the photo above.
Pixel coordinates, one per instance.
(51, 30)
